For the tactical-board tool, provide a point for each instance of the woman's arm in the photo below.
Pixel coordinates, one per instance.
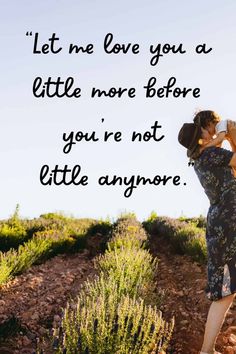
(217, 141)
(232, 162)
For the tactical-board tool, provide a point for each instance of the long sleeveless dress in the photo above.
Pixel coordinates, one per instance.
(217, 178)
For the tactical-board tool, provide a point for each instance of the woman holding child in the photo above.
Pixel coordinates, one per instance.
(214, 168)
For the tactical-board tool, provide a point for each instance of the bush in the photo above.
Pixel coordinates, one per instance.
(11, 236)
(197, 221)
(101, 326)
(132, 268)
(185, 237)
(109, 315)
(191, 240)
(127, 233)
(43, 245)
(15, 262)
(12, 232)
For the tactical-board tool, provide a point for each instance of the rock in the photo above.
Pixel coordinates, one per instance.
(33, 302)
(183, 313)
(31, 335)
(197, 270)
(5, 350)
(35, 316)
(43, 331)
(26, 316)
(49, 299)
(26, 351)
(57, 318)
(3, 318)
(183, 328)
(26, 341)
(179, 293)
(48, 309)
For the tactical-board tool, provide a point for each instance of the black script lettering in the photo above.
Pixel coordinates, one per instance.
(58, 176)
(57, 88)
(135, 181)
(112, 92)
(147, 135)
(117, 48)
(45, 49)
(79, 136)
(75, 48)
(201, 48)
(167, 90)
(159, 50)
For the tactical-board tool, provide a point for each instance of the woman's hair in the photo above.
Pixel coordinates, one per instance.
(205, 117)
(196, 153)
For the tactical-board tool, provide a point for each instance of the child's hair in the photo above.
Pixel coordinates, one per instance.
(205, 117)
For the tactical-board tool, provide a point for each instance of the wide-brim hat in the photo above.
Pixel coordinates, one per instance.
(189, 136)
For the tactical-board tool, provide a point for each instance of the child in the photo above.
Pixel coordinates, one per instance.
(223, 129)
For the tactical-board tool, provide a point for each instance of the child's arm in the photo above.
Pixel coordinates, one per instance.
(217, 141)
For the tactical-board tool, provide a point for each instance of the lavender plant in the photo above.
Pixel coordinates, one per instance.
(110, 315)
(97, 325)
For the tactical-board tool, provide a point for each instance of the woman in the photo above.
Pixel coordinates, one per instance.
(213, 166)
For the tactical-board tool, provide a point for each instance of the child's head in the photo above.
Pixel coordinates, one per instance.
(207, 120)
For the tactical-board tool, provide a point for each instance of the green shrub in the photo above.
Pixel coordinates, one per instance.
(110, 315)
(127, 233)
(131, 268)
(46, 243)
(11, 236)
(104, 285)
(101, 326)
(55, 216)
(15, 232)
(197, 221)
(15, 262)
(152, 217)
(12, 231)
(191, 240)
(185, 237)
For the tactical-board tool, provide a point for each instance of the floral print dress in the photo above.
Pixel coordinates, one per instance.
(217, 178)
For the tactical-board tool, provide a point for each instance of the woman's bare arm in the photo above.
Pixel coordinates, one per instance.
(217, 141)
(232, 162)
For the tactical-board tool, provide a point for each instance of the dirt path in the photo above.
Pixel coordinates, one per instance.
(36, 297)
(185, 281)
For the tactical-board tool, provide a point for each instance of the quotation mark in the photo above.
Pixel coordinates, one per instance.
(29, 33)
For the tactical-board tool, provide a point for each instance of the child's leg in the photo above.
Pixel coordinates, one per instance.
(215, 319)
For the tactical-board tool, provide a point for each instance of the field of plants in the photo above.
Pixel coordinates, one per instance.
(72, 285)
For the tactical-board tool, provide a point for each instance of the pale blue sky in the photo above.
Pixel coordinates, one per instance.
(32, 128)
